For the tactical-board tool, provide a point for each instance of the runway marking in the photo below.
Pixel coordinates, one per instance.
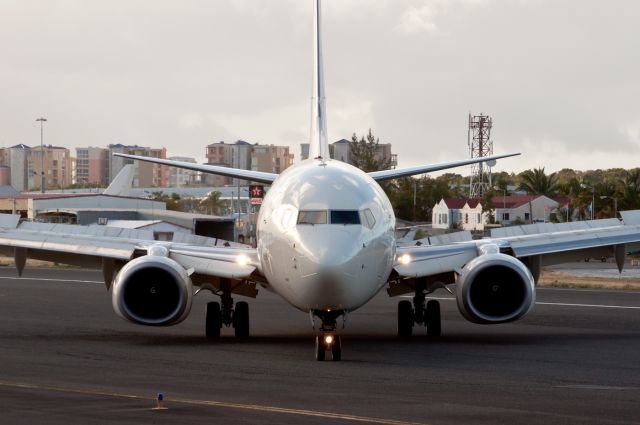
(544, 303)
(591, 305)
(212, 403)
(597, 387)
(49, 279)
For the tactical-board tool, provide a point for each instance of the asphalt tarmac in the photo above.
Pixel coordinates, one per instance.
(66, 358)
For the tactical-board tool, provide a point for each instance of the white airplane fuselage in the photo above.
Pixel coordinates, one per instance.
(339, 252)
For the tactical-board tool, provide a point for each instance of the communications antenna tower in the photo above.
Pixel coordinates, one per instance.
(480, 144)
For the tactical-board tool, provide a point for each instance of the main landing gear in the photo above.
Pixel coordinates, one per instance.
(227, 314)
(327, 340)
(418, 313)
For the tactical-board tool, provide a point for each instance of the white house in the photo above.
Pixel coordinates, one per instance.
(523, 209)
(468, 214)
(465, 214)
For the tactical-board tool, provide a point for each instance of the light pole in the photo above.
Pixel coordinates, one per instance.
(615, 204)
(593, 197)
(504, 199)
(42, 120)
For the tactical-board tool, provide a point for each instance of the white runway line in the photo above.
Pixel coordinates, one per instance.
(590, 305)
(49, 280)
(543, 303)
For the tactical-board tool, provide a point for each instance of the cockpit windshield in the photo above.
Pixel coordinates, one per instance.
(343, 217)
(312, 217)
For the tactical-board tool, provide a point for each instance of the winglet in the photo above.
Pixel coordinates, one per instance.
(318, 144)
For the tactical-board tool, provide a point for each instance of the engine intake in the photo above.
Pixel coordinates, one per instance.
(495, 288)
(152, 290)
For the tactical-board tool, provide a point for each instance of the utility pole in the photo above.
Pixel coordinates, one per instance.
(42, 120)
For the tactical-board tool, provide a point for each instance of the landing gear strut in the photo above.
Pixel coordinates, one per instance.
(227, 315)
(427, 315)
(328, 340)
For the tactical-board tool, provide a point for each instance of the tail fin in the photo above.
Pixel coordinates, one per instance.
(121, 183)
(318, 146)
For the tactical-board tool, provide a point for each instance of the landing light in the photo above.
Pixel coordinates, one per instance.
(404, 259)
(328, 339)
(242, 259)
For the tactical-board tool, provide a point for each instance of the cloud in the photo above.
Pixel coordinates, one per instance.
(190, 121)
(419, 19)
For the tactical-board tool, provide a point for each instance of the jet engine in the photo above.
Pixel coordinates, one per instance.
(495, 288)
(152, 290)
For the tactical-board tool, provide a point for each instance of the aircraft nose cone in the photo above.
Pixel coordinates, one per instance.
(330, 252)
(330, 267)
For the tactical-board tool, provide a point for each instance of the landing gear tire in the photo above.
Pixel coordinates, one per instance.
(241, 319)
(336, 349)
(432, 319)
(405, 318)
(213, 321)
(320, 351)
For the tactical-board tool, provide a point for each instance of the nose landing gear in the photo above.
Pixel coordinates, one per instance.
(328, 341)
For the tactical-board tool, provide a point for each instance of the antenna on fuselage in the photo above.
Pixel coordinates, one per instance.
(318, 144)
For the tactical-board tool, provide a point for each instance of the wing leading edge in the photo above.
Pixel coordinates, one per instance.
(256, 176)
(535, 245)
(422, 169)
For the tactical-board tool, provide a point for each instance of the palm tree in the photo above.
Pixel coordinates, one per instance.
(536, 182)
(212, 203)
(630, 193)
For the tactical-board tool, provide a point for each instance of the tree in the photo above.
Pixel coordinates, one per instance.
(536, 182)
(212, 203)
(364, 154)
(630, 193)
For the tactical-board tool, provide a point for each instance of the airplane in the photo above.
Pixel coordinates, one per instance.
(326, 245)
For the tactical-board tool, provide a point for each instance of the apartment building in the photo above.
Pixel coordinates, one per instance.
(180, 177)
(146, 174)
(16, 158)
(247, 156)
(57, 163)
(92, 166)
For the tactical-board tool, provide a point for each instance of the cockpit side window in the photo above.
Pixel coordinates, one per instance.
(312, 217)
(345, 217)
(367, 218)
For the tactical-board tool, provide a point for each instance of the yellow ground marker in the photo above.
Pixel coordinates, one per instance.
(212, 403)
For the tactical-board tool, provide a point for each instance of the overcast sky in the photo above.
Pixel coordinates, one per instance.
(561, 79)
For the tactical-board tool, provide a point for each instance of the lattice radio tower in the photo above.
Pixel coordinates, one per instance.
(480, 144)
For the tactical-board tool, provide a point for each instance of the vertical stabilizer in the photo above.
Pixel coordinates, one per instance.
(121, 184)
(318, 145)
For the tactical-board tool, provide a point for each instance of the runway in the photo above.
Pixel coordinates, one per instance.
(65, 357)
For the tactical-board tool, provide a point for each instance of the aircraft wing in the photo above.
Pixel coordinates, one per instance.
(256, 176)
(536, 245)
(422, 169)
(108, 248)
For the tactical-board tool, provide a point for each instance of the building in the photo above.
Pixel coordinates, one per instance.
(180, 177)
(468, 214)
(16, 158)
(246, 156)
(341, 150)
(146, 174)
(57, 167)
(523, 209)
(463, 214)
(92, 166)
(271, 158)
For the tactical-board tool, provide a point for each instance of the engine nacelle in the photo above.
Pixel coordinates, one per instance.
(495, 288)
(152, 290)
